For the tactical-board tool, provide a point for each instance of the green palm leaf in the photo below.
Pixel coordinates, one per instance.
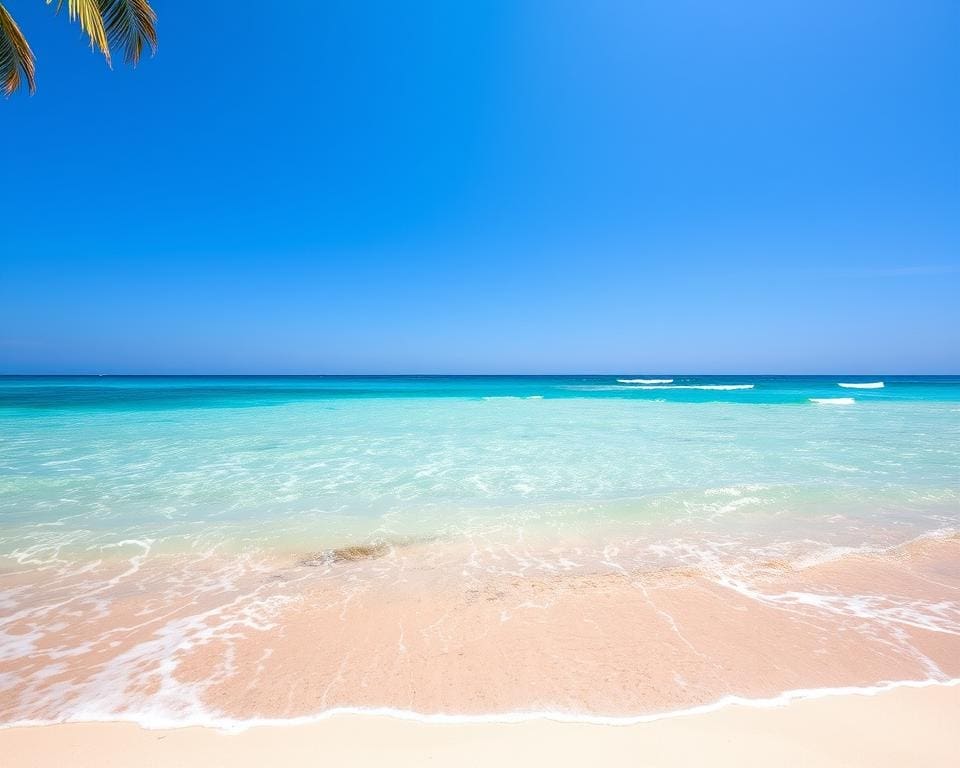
(131, 25)
(16, 58)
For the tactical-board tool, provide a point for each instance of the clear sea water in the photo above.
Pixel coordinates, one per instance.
(162, 537)
(303, 463)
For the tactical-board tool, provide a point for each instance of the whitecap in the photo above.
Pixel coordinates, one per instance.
(716, 387)
(861, 385)
(645, 381)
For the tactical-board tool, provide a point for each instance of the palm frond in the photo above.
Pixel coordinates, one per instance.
(91, 21)
(16, 58)
(131, 25)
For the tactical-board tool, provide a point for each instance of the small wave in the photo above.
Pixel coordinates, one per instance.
(716, 387)
(861, 385)
(833, 400)
(645, 381)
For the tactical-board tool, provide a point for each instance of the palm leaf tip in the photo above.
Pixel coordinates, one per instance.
(91, 21)
(130, 25)
(16, 58)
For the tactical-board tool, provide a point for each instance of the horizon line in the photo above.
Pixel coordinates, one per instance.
(451, 375)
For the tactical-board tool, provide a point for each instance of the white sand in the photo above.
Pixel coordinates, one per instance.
(902, 727)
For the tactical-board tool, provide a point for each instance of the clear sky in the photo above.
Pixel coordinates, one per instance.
(492, 187)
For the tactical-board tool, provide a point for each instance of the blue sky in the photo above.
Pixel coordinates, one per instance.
(491, 187)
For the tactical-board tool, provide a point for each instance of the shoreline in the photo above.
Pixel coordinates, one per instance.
(892, 726)
(372, 637)
(237, 726)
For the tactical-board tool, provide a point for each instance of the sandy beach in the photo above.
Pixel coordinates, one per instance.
(903, 726)
(296, 641)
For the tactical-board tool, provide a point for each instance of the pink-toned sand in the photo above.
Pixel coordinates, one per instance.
(282, 643)
(903, 727)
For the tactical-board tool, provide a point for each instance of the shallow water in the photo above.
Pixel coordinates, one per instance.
(142, 519)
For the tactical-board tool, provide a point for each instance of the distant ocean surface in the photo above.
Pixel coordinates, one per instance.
(201, 490)
(328, 460)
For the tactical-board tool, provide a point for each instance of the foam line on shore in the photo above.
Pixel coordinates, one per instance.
(231, 725)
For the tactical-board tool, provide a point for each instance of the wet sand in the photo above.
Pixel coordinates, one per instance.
(905, 726)
(297, 640)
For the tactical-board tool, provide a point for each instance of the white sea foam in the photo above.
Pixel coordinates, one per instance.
(833, 400)
(861, 385)
(645, 387)
(645, 381)
(156, 720)
(716, 387)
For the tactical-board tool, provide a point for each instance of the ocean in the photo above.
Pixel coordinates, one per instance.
(180, 550)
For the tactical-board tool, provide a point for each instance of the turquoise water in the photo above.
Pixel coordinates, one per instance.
(156, 392)
(305, 463)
